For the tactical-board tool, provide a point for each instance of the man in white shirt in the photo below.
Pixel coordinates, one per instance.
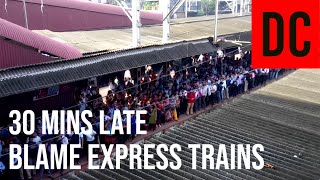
(220, 53)
(213, 90)
(224, 88)
(107, 118)
(209, 93)
(83, 103)
(264, 75)
(77, 139)
(240, 83)
(89, 138)
(116, 81)
(197, 102)
(33, 143)
(35, 140)
(185, 93)
(64, 139)
(204, 91)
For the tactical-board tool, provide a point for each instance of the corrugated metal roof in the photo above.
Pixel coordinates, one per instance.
(283, 117)
(225, 44)
(94, 7)
(71, 15)
(13, 54)
(37, 41)
(24, 79)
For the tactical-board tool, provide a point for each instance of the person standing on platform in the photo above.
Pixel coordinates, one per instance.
(191, 99)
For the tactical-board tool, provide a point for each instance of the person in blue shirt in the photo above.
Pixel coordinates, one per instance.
(133, 126)
(2, 170)
(1, 145)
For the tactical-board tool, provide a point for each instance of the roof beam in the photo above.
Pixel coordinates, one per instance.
(134, 17)
(25, 13)
(179, 4)
(230, 5)
(165, 22)
(241, 7)
(190, 2)
(174, 9)
(216, 22)
(41, 7)
(135, 12)
(124, 10)
(166, 17)
(6, 5)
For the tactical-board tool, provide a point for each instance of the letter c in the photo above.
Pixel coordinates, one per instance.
(293, 34)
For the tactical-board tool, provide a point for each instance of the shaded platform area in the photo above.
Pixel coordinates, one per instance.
(283, 116)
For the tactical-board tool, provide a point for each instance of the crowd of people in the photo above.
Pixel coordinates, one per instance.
(166, 96)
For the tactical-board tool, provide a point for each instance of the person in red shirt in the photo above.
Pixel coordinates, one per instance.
(155, 99)
(145, 99)
(191, 98)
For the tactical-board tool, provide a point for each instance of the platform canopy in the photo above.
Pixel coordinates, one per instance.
(38, 76)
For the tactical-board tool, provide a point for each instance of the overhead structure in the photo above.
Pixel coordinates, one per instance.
(186, 8)
(41, 7)
(247, 6)
(135, 11)
(216, 22)
(167, 13)
(166, 20)
(25, 14)
(43, 75)
(231, 5)
(174, 8)
(238, 6)
(6, 5)
(124, 8)
(135, 19)
(244, 5)
(190, 3)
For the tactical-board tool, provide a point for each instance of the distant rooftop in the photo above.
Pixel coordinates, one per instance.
(20, 46)
(181, 29)
(70, 15)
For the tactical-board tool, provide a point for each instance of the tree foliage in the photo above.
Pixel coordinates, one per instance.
(149, 5)
(208, 7)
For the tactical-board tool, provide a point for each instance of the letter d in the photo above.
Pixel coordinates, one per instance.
(15, 155)
(266, 34)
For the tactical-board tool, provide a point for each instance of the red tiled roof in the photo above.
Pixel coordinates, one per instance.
(37, 41)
